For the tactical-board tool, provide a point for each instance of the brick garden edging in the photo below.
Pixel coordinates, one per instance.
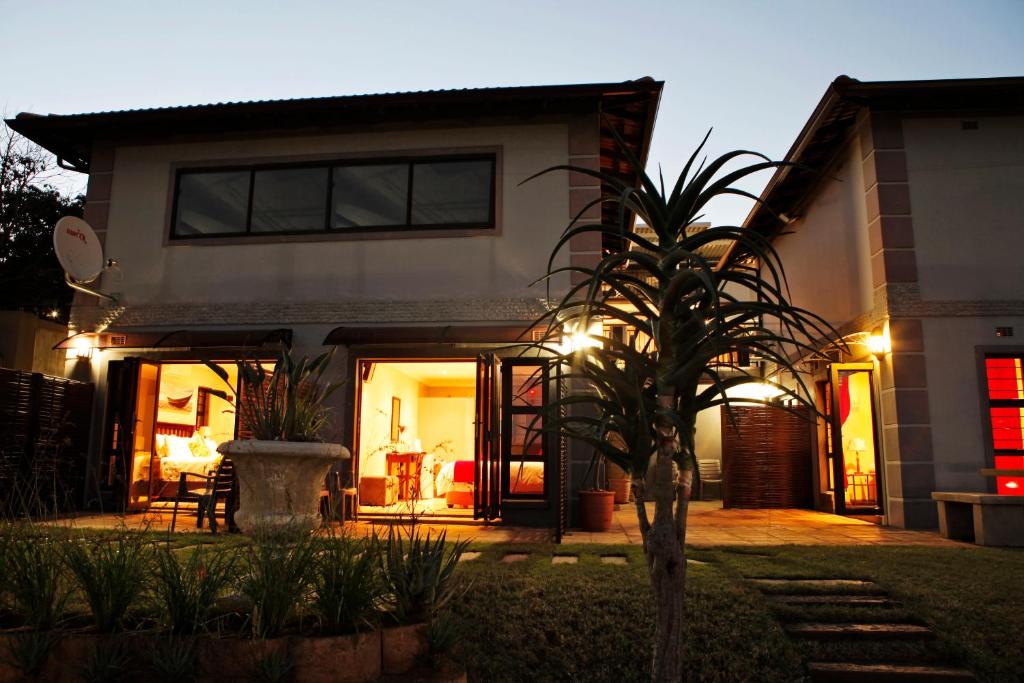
(358, 658)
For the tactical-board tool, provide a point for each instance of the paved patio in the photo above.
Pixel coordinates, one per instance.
(709, 525)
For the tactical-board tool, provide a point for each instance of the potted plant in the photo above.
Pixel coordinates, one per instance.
(598, 503)
(282, 468)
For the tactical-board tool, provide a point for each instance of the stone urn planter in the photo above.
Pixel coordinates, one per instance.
(280, 481)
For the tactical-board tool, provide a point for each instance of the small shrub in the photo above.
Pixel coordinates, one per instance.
(107, 663)
(174, 660)
(37, 585)
(420, 574)
(276, 579)
(110, 574)
(185, 590)
(347, 583)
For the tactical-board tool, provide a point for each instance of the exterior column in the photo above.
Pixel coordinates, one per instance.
(585, 152)
(905, 416)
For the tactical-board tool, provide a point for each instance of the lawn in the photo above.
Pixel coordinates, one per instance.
(532, 620)
(538, 621)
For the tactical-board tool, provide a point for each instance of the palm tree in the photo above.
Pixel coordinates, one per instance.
(635, 398)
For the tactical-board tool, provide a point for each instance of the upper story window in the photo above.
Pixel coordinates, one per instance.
(342, 196)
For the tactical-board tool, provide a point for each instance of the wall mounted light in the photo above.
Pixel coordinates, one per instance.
(576, 338)
(81, 348)
(878, 342)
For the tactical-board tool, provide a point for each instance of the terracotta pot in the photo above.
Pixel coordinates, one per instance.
(620, 487)
(596, 509)
(280, 481)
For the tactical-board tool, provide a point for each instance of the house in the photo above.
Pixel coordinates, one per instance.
(394, 227)
(902, 225)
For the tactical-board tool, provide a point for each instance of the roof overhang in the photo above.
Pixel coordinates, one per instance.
(830, 124)
(192, 339)
(448, 334)
(632, 104)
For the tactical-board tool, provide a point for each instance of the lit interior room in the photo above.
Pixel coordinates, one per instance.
(416, 437)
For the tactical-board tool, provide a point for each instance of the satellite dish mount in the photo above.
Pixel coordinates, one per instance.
(80, 254)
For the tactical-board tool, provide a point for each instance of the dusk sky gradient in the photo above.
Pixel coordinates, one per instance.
(753, 70)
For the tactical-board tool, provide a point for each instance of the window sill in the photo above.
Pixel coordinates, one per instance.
(339, 236)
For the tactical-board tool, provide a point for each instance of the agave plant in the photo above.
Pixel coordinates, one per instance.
(637, 399)
(420, 573)
(287, 403)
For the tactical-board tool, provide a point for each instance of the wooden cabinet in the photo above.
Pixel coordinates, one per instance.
(407, 467)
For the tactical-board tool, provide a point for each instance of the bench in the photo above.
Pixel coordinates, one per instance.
(985, 518)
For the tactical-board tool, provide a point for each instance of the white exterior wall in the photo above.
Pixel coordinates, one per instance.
(532, 217)
(957, 395)
(827, 258)
(967, 197)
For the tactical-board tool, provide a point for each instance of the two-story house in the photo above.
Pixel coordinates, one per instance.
(394, 227)
(901, 223)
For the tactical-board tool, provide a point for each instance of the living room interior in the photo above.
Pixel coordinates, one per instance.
(416, 441)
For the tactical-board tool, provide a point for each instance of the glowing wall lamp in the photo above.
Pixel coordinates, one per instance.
(879, 343)
(81, 348)
(576, 338)
(760, 391)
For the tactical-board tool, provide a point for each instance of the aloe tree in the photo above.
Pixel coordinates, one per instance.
(635, 400)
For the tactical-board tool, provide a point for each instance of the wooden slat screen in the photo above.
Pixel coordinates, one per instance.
(44, 441)
(766, 458)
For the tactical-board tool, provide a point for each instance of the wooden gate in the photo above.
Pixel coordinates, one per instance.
(44, 439)
(766, 458)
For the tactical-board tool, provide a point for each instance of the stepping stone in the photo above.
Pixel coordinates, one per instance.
(844, 600)
(564, 559)
(814, 631)
(514, 557)
(469, 556)
(815, 584)
(839, 672)
(613, 559)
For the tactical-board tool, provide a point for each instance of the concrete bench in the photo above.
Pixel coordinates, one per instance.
(985, 518)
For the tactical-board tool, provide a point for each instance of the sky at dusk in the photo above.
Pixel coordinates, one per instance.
(752, 70)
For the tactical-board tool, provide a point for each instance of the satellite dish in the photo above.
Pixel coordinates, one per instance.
(78, 249)
(80, 254)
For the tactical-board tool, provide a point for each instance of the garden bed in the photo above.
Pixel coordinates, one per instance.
(289, 607)
(354, 658)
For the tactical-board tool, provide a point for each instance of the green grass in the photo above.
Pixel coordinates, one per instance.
(532, 620)
(535, 621)
(973, 598)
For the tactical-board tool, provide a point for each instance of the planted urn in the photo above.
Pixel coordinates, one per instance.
(281, 469)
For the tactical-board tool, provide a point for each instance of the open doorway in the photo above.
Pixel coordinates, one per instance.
(852, 435)
(164, 419)
(415, 437)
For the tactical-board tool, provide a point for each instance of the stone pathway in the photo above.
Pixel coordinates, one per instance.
(873, 641)
(708, 526)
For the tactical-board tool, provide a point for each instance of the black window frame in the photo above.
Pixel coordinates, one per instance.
(328, 166)
(509, 409)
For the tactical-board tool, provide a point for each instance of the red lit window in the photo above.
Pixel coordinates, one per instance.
(1004, 376)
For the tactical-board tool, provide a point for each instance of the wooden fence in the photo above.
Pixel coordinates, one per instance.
(44, 442)
(766, 458)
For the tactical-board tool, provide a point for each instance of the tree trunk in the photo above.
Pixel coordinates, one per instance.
(664, 549)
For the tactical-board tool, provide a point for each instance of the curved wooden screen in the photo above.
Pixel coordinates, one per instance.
(766, 458)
